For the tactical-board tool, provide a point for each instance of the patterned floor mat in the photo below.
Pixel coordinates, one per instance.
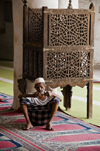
(70, 134)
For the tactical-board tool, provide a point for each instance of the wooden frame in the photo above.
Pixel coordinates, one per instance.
(58, 57)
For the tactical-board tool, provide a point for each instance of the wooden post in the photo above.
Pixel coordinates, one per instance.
(67, 93)
(25, 22)
(92, 19)
(44, 43)
(91, 43)
(25, 33)
(89, 99)
(44, 14)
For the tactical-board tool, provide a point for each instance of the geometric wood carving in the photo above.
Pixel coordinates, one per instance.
(72, 64)
(68, 29)
(32, 62)
(35, 26)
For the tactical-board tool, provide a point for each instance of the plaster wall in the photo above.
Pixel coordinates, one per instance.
(85, 4)
(18, 41)
(64, 4)
(40, 3)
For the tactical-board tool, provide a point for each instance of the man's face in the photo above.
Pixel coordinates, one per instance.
(40, 87)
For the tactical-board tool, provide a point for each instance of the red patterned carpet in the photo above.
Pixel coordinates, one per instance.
(70, 134)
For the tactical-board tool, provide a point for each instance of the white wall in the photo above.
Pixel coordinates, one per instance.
(85, 4)
(97, 35)
(40, 3)
(64, 4)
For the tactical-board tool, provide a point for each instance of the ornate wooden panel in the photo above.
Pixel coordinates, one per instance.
(72, 64)
(67, 65)
(32, 62)
(68, 51)
(32, 49)
(35, 25)
(65, 44)
(68, 27)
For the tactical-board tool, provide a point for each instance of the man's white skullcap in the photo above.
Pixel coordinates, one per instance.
(39, 80)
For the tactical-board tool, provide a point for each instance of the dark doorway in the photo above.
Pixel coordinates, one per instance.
(6, 30)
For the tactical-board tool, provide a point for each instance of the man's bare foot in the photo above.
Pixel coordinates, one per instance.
(29, 126)
(49, 127)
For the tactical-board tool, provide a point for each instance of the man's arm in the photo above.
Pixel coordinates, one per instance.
(49, 93)
(28, 95)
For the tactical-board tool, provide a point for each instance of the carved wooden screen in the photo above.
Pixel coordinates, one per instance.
(64, 54)
(33, 62)
(68, 66)
(32, 50)
(35, 25)
(69, 27)
(68, 56)
(58, 46)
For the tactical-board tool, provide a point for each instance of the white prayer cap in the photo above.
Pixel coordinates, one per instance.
(39, 80)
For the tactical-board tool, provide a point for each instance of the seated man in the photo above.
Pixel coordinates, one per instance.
(40, 107)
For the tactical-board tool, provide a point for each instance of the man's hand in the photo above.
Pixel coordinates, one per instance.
(49, 93)
(36, 94)
(20, 96)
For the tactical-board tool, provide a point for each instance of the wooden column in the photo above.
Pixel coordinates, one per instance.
(25, 34)
(91, 43)
(45, 39)
(67, 93)
(89, 99)
(44, 14)
(92, 19)
(25, 22)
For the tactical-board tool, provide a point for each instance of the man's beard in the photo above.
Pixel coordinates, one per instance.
(41, 91)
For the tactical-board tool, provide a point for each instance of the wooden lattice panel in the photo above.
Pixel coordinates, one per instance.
(35, 26)
(32, 62)
(68, 28)
(58, 46)
(69, 64)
